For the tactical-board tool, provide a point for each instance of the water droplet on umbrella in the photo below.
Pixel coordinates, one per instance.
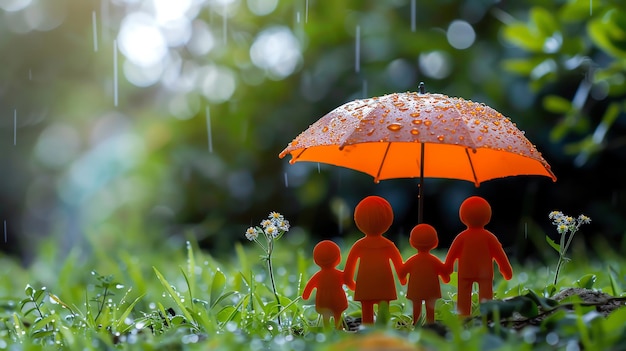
(394, 127)
(417, 121)
(415, 131)
(325, 129)
(415, 114)
(428, 123)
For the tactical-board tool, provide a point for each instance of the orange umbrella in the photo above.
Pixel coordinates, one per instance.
(410, 135)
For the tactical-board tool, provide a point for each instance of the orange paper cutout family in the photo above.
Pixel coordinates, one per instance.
(475, 249)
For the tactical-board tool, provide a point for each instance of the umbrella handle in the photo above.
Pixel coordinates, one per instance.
(420, 193)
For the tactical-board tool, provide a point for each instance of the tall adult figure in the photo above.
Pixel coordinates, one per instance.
(373, 255)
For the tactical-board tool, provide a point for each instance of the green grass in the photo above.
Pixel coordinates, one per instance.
(180, 297)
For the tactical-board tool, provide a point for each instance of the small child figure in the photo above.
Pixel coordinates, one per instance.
(375, 282)
(330, 299)
(476, 248)
(424, 270)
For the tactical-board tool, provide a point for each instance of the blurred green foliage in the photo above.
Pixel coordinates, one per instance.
(194, 150)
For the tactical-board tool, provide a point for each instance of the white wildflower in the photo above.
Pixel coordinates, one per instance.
(251, 234)
(272, 232)
(584, 219)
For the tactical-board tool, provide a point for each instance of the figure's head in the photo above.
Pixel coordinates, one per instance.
(475, 212)
(373, 215)
(326, 254)
(424, 237)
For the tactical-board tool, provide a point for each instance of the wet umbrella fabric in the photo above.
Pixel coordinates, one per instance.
(410, 135)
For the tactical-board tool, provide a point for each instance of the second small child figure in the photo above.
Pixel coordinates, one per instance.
(424, 270)
(330, 298)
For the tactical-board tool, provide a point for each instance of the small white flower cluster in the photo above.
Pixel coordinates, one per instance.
(565, 223)
(273, 228)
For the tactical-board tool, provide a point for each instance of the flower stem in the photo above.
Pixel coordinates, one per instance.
(558, 269)
(271, 271)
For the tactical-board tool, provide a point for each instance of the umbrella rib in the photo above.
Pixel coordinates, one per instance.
(472, 167)
(382, 162)
(294, 158)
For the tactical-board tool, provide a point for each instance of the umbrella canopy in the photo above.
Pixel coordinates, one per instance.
(410, 135)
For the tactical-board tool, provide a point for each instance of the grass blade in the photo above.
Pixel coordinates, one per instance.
(125, 314)
(173, 295)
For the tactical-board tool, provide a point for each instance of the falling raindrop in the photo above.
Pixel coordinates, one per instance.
(413, 15)
(364, 88)
(208, 128)
(340, 221)
(95, 31)
(306, 11)
(286, 180)
(5, 231)
(357, 50)
(14, 127)
(115, 72)
(318, 168)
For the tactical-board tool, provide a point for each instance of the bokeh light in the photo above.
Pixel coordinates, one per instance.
(401, 73)
(277, 51)
(14, 5)
(262, 7)
(141, 40)
(435, 64)
(460, 34)
(217, 83)
(57, 145)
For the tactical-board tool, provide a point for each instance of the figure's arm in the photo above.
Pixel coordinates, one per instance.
(404, 270)
(498, 254)
(310, 285)
(349, 269)
(454, 252)
(442, 271)
(396, 259)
